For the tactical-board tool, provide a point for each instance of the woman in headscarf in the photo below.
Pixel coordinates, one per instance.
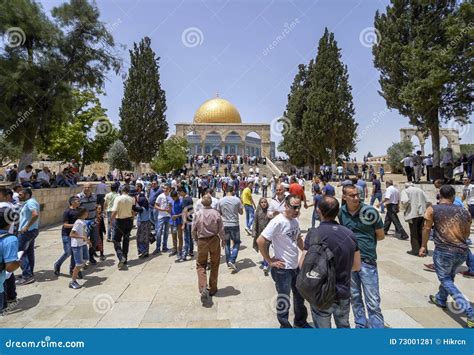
(260, 221)
(143, 226)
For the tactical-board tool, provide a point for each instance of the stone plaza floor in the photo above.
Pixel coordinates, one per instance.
(157, 292)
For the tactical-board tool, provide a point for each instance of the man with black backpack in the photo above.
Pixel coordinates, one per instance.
(364, 220)
(330, 254)
(284, 233)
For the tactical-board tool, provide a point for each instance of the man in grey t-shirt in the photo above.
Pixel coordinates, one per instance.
(230, 207)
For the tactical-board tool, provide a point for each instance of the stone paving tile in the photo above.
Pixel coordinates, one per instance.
(396, 318)
(157, 292)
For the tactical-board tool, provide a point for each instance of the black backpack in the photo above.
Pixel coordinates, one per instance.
(316, 280)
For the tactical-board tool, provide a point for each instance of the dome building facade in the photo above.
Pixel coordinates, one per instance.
(217, 129)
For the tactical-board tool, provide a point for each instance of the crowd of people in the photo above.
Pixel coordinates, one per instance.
(162, 205)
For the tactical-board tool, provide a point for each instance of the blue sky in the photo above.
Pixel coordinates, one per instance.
(248, 51)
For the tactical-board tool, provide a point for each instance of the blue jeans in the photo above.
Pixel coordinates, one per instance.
(26, 243)
(188, 240)
(232, 234)
(2, 301)
(340, 311)
(366, 280)
(110, 226)
(470, 260)
(249, 213)
(67, 253)
(378, 196)
(80, 255)
(162, 228)
(285, 281)
(446, 264)
(314, 218)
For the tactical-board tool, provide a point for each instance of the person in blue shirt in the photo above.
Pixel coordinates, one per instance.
(29, 224)
(177, 226)
(8, 253)
(328, 189)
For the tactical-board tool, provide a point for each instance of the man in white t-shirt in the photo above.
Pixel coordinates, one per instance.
(468, 194)
(392, 201)
(24, 176)
(264, 185)
(284, 233)
(162, 224)
(277, 204)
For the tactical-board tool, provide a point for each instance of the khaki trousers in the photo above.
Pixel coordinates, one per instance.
(208, 247)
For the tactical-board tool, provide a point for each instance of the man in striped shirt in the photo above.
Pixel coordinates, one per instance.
(89, 202)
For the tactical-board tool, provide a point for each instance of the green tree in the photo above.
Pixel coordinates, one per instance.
(171, 156)
(396, 152)
(142, 114)
(43, 60)
(329, 121)
(117, 156)
(424, 55)
(86, 136)
(294, 142)
(8, 151)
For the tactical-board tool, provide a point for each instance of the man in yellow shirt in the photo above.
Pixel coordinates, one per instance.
(122, 214)
(249, 207)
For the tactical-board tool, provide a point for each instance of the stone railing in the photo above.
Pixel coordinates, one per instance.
(273, 167)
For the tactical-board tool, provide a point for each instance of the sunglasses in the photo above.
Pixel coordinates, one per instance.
(295, 207)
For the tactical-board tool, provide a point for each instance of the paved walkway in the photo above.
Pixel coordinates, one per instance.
(157, 292)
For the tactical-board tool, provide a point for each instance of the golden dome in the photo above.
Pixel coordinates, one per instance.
(217, 110)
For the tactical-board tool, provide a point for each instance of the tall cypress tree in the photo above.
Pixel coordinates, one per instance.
(329, 122)
(292, 121)
(142, 114)
(425, 60)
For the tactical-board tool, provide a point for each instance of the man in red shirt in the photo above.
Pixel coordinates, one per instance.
(297, 190)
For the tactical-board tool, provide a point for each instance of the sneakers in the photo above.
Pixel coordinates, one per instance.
(56, 269)
(102, 258)
(265, 270)
(92, 261)
(173, 253)
(470, 323)
(204, 296)
(232, 266)
(23, 281)
(165, 250)
(122, 263)
(156, 252)
(467, 273)
(74, 285)
(434, 301)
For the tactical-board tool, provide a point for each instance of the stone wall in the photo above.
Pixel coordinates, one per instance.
(53, 202)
